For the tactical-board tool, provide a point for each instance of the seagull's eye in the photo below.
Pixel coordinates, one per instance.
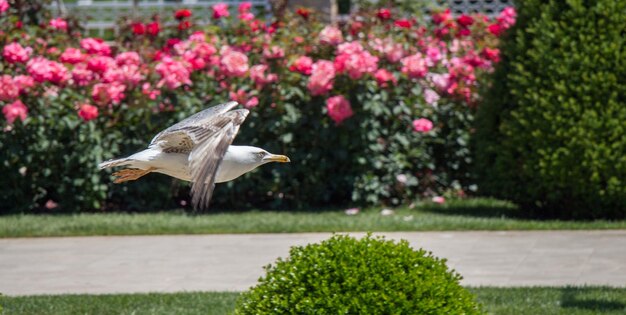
(260, 154)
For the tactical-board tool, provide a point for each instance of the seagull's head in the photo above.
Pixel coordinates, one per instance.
(257, 156)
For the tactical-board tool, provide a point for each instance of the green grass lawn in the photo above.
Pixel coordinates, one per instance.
(509, 301)
(472, 214)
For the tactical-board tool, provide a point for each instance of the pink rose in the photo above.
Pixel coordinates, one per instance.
(383, 77)
(439, 199)
(220, 10)
(257, 74)
(72, 56)
(302, 65)
(246, 16)
(491, 54)
(106, 93)
(23, 82)
(4, 6)
(173, 73)
(273, 52)
(431, 97)
(197, 37)
(81, 75)
(414, 66)
(42, 70)
(252, 102)
(330, 35)
(125, 74)
(245, 7)
(422, 125)
(128, 58)
(15, 53)
(87, 112)
(8, 89)
(58, 24)
(322, 75)
(338, 108)
(100, 64)
(234, 63)
(147, 90)
(356, 65)
(15, 110)
(507, 17)
(95, 46)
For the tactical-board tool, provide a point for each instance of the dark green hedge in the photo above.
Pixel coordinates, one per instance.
(552, 130)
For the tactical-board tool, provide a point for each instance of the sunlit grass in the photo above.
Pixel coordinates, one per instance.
(473, 214)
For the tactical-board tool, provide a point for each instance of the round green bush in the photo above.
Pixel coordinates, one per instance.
(344, 275)
(551, 130)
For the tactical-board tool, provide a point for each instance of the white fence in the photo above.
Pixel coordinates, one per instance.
(102, 16)
(488, 7)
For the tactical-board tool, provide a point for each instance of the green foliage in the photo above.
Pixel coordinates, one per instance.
(551, 131)
(344, 275)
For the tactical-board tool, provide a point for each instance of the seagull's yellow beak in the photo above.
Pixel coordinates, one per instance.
(277, 158)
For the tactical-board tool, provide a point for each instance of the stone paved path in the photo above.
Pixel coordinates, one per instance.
(234, 262)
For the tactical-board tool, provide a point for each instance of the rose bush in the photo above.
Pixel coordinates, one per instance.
(356, 106)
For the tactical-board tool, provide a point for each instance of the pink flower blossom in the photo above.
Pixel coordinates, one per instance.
(197, 37)
(173, 73)
(4, 6)
(350, 48)
(257, 74)
(127, 74)
(338, 108)
(148, 91)
(422, 125)
(42, 70)
(273, 52)
(220, 10)
(243, 98)
(495, 29)
(442, 17)
(15, 53)
(322, 75)
(356, 64)
(59, 24)
(491, 54)
(433, 55)
(252, 102)
(244, 7)
(330, 35)
(107, 93)
(128, 58)
(507, 17)
(88, 112)
(234, 63)
(302, 65)
(8, 89)
(100, 64)
(439, 200)
(393, 51)
(465, 20)
(246, 16)
(15, 110)
(95, 46)
(23, 82)
(414, 66)
(383, 77)
(431, 97)
(72, 56)
(81, 75)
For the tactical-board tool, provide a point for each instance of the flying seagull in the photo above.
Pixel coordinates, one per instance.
(197, 149)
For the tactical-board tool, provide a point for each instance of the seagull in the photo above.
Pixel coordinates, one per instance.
(197, 149)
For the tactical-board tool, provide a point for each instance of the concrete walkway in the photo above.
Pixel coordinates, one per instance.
(234, 262)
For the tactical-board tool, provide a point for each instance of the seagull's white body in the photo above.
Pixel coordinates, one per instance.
(236, 162)
(197, 149)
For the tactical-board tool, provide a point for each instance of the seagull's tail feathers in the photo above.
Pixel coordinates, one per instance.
(114, 162)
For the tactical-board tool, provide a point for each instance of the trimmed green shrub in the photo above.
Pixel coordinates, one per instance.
(344, 275)
(551, 132)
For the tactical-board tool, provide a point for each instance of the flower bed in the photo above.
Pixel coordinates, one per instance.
(376, 110)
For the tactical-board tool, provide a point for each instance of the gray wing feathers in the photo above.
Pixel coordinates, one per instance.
(207, 155)
(197, 119)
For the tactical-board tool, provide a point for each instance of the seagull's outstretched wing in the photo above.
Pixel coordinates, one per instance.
(207, 155)
(201, 119)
